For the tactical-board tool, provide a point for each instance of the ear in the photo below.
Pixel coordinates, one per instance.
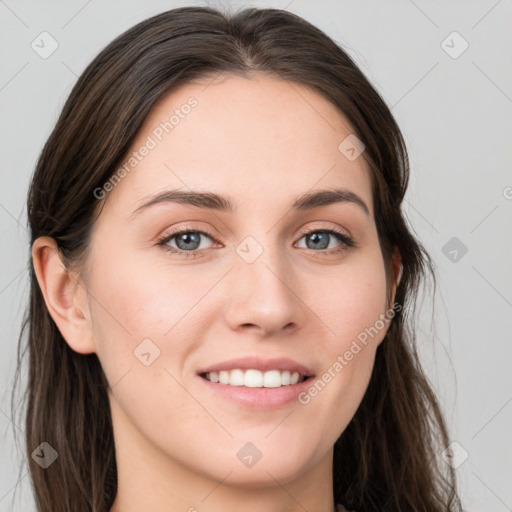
(64, 295)
(396, 275)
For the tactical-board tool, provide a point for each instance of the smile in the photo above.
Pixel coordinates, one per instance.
(252, 378)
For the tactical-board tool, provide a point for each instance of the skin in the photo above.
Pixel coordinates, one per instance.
(263, 142)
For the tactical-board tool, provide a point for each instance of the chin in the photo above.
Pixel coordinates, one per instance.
(252, 469)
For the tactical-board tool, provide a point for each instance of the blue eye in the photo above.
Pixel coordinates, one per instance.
(187, 241)
(321, 239)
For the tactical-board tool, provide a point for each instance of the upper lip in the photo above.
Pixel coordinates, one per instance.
(257, 363)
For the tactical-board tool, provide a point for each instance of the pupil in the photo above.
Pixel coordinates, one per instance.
(185, 239)
(316, 237)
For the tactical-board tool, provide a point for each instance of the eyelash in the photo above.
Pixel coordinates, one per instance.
(347, 242)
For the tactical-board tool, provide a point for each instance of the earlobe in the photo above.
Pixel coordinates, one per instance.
(65, 297)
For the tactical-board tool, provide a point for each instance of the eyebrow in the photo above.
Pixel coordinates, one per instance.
(212, 201)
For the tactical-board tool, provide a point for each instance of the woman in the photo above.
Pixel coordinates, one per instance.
(221, 282)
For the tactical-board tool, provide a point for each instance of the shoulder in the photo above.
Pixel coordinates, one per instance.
(341, 508)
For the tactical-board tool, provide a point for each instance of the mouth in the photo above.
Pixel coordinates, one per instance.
(256, 383)
(254, 378)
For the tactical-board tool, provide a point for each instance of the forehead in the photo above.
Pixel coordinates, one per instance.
(255, 138)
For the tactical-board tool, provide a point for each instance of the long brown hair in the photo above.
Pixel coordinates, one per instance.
(387, 459)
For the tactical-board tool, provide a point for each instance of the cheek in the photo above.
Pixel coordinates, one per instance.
(144, 328)
(351, 306)
(147, 320)
(350, 301)
(137, 300)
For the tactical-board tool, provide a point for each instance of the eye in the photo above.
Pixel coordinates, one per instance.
(320, 239)
(187, 242)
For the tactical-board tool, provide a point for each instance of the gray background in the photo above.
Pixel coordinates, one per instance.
(455, 113)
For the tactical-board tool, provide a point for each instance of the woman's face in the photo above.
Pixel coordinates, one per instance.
(268, 284)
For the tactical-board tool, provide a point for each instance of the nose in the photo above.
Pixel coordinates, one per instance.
(262, 298)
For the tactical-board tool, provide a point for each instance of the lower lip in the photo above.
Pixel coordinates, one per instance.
(259, 398)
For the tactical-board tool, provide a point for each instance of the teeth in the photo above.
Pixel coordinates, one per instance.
(252, 378)
(236, 378)
(255, 378)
